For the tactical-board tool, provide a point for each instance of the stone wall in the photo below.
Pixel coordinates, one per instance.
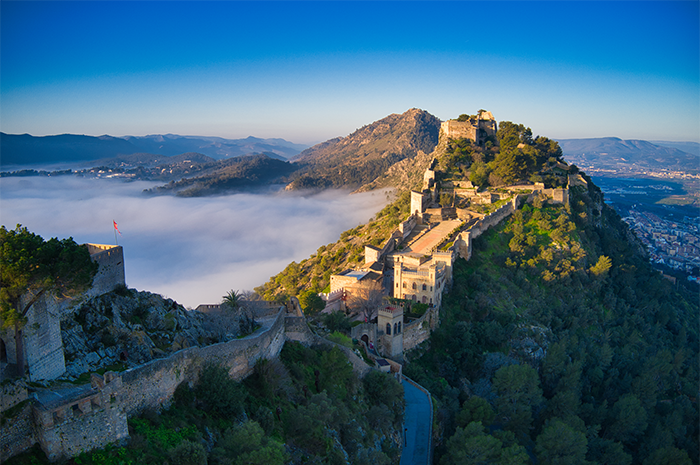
(12, 393)
(419, 330)
(298, 330)
(17, 433)
(43, 346)
(463, 243)
(91, 419)
(152, 385)
(454, 129)
(96, 415)
(111, 271)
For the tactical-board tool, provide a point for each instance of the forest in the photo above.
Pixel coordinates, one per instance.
(559, 343)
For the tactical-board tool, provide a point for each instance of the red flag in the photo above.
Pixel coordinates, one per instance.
(116, 228)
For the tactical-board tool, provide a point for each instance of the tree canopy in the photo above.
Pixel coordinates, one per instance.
(32, 268)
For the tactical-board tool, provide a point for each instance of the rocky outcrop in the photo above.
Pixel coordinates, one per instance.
(132, 328)
(366, 154)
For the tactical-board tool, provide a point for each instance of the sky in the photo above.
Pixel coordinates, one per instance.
(193, 250)
(310, 71)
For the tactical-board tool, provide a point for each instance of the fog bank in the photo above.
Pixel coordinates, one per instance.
(192, 250)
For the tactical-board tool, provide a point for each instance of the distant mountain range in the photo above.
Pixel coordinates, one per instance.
(625, 156)
(387, 152)
(24, 149)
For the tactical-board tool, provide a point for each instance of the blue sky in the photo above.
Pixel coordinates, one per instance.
(307, 72)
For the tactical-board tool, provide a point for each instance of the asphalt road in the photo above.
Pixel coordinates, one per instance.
(417, 423)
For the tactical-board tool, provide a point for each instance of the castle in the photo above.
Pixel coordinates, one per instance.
(414, 264)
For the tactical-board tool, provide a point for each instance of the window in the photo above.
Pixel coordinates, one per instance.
(414, 285)
(425, 287)
(425, 300)
(388, 328)
(395, 332)
(413, 297)
(399, 327)
(404, 285)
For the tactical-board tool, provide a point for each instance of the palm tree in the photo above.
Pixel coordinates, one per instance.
(232, 300)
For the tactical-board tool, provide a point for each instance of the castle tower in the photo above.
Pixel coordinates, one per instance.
(390, 322)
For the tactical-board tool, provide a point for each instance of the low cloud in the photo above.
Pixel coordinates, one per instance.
(191, 250)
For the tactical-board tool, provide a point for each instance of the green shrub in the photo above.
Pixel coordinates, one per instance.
(218, 394)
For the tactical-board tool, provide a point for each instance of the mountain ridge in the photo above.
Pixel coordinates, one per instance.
(612, 152)
(25, 149)
(364, 155)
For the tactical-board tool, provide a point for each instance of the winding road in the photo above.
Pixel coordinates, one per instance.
(418, 425)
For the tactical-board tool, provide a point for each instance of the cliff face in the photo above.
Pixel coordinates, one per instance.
(366, 154)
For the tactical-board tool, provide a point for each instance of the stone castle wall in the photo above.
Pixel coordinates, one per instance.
(454, 129)
(463, 243)
(98, 415)
(17, 433)
(153, 384)
(93, 417)
(419, 330)
(111, 271)
(296, 329)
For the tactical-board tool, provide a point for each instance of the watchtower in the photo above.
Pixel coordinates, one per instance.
(390, 322)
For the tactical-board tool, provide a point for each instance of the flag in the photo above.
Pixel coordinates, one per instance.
(116, 228)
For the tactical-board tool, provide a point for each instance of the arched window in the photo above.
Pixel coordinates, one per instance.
(414, 285)
(395, 332)
(404, 285)
(425, 299)
(413, 297)
(425, 287)
(388, 328)
(399, 327)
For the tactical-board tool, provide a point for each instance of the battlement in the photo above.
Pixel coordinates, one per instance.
(391, 311)
(476, 129)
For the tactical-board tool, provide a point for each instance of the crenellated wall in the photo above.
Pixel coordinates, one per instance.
(92, 416)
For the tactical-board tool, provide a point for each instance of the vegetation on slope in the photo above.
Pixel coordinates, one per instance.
(558, 341)
(513, 156)
(312, 275)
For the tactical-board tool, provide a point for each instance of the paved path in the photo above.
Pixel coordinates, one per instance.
(430, 239)
(417, 421)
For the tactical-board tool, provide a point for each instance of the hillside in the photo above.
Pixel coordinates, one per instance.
(557, 341)
(367, 153)
(560, 340)
(230, 175)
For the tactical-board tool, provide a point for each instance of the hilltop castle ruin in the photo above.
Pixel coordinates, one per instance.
(414, 265)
